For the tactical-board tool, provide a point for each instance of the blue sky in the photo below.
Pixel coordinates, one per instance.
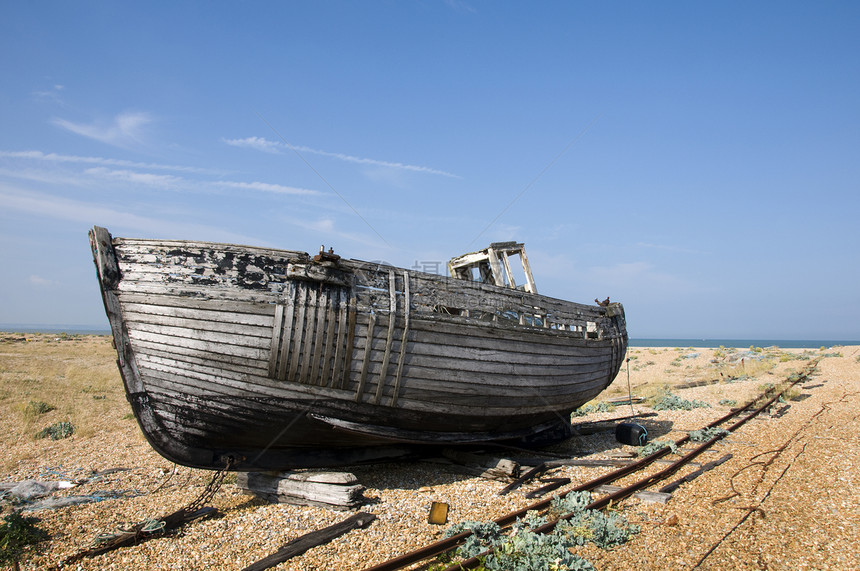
(697, 161)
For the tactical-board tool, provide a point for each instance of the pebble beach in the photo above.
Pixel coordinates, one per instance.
(788, 497)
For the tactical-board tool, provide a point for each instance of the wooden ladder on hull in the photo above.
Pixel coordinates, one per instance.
(313, 338)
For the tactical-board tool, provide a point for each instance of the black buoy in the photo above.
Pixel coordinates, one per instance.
(631, 433)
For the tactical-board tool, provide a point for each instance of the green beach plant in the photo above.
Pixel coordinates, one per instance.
(596, 407)
(57, 431)
(35, 408)
(18, 535)
(705, 434)
(525, 550)
(656, 446)
(669, 401)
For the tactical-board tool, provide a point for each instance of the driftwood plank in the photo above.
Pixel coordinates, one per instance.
(484, 466)
(589, 463)
(644, 495)
(528, 475)
(301, 544)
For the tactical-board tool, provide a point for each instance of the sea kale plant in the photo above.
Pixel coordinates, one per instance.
(705, 434)
(656, 446)
(590, 408)
(57, 431)
(570, 503)
(525, 550)
(605, 530)
(668, 401)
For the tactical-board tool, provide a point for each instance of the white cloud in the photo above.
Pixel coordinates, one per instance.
(149, 179)
(324, 225)
(39, 281)
(328, 227)
(124, 130)
(54, 207)
(374, 162)
(57, 158)
(52, 94)
(256, 143)
(267, 146)
(267, 187)
(134, 173)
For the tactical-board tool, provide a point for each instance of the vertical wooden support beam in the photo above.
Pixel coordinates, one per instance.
(301, 302)
(362, 379)
(307, 347)
(277, 328)
(315, 375)
(493, 257)
(338, 342)
(350, 342)
(527, 270)
(331, 323)
(507, 263)
(403, 339)
(287, 332)
(392, 318)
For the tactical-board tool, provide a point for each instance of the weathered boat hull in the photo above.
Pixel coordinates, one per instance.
(279, 361)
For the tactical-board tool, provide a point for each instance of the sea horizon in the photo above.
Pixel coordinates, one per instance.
(740, 343)
(632, 341)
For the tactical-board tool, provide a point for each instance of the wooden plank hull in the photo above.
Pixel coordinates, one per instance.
(280, 361)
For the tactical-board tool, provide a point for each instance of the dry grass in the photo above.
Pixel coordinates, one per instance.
(46, 379)
(653, 370)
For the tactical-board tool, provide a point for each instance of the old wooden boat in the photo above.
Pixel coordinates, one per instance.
(278, 359)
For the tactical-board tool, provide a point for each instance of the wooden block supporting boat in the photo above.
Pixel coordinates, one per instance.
(333, 490)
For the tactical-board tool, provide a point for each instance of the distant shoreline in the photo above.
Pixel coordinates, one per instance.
(68, 330)
(714, 343)
(633, 342)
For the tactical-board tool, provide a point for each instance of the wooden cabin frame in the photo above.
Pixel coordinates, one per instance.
(492, 265)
